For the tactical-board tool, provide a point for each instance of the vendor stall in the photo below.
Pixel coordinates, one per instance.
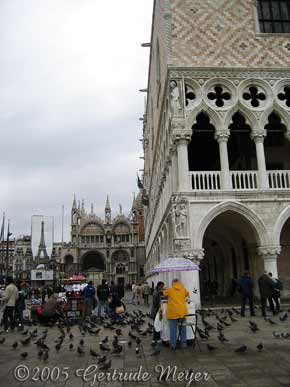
(74, 306)
(182, 269)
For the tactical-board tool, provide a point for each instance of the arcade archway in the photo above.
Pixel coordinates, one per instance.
(93, 261)
(230, 243)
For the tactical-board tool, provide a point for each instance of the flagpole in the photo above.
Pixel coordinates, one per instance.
(2, 238)
(7, 248)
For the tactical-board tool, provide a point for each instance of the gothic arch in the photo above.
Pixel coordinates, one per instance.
(246, 113)
(282, 219)
(213, 116)
(93, 260)
(280, 111)
(119, 222)
(238, 208)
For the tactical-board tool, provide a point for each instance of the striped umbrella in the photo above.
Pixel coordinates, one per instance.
(175, 264)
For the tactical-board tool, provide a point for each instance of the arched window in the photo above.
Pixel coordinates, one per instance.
(120, 269)
(274, 16)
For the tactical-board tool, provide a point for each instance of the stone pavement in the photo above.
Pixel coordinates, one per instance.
(270, 367)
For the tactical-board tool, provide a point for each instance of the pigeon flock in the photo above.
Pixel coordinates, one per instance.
(102, 339)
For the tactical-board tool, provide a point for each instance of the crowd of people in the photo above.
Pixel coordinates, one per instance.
(107, 299)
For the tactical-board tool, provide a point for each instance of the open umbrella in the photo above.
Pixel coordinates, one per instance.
(175, 264)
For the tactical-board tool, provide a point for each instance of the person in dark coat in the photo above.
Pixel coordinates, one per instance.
(276, 294)
(266, 287)
(103, 292)
(246, 287)
(155, 308)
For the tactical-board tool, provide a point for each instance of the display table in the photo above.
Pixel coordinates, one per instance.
(165, 331)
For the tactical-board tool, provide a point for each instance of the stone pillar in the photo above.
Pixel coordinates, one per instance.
(222, 139)
(181, 139)
(258, 137)
(269, 255)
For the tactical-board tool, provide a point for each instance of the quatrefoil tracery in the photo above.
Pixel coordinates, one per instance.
(285, 96)
(254, 96)
(219, 96)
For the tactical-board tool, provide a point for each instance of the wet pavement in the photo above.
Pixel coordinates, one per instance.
(220, 367)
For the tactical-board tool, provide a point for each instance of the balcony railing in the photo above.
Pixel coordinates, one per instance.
(279, 179)
(205, 180)
(239, 180)
(244, 179)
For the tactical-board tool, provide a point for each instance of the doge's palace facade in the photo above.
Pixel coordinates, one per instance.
(216, 139)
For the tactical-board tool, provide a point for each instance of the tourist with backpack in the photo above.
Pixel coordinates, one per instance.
(276, 294)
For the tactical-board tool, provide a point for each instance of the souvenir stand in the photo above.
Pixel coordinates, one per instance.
(74, 306)
(185, 270)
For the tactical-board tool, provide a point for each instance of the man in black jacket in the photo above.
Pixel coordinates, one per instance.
(155, 308)
(103, 292)
(266, 286)
(246, 287)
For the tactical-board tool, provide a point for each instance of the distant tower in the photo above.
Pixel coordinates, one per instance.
(107, 211)
(75, 217)
(42, 253)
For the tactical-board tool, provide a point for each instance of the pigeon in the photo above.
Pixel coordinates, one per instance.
(57, 347)
(241, 349)
(26, 341)
(277, 335)
(80, 351)
(71, 336)
(138, 340)
(23, 355)
(71, 346)
(104, 348)
(117, 350)
(118, 332)
(129, 343)
(222, 338)
(270, 321)
(284, 317)
(260, 347)
(93, 353)
(14, 345)
(211, 348)
(132, 336)
(24, 332)
(105, 366)
(2, 340)
(102, 359)
(137, 350)
(45, 355)
(82, 342)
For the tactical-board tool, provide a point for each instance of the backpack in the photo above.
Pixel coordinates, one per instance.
(279, 284)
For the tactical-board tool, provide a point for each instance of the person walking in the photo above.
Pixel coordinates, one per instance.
(103, 292)
(246, 287)
(138, 290)
(133, 298)
(276, 294)
(20, 303)
(176, 311)
(89, 297)
(146, 291)
(158, 292)
(9, 299)
(266, 286)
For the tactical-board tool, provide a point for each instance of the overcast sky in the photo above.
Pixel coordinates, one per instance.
(70, 71)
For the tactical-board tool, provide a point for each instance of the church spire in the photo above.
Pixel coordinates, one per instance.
(74, 206)
(108, 211)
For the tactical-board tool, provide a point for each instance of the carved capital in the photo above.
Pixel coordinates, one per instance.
(269, 252)
(195, 255)
(222, 135)
(181, 136)
(258, 135)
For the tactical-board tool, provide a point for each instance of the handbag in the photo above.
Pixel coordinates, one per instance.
(157, 322)
(120, 309)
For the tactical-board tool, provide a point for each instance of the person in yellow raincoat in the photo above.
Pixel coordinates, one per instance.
(176, 310)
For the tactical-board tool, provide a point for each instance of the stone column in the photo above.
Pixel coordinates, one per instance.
(222, 139)
(181, 138)
(269, 255)
(258, 136)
